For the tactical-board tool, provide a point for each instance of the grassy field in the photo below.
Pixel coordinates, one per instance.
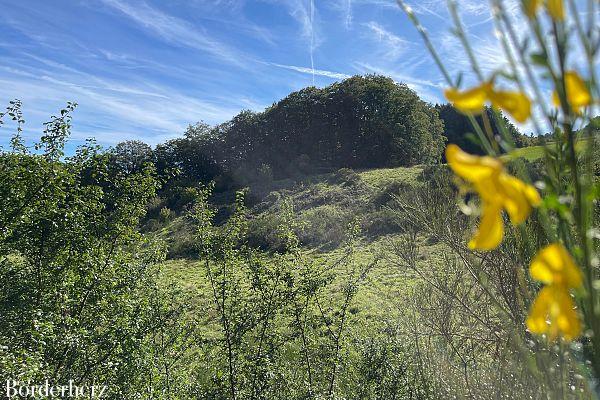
(533, 153)
(325, 205)
(402, 300)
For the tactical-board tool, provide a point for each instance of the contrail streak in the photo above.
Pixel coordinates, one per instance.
(312, 39)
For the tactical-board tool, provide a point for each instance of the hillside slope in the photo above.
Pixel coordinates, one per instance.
(397, 293)
(324, 206)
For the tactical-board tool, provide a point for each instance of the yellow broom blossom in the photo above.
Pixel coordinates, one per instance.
(469, 101)
(516, 104)
(553, 265)
(553, 311)
(498, 191)
(531, 7)
(556, 9)
(578, 94)
(473, 100)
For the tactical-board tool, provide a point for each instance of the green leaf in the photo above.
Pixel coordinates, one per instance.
(539, 59)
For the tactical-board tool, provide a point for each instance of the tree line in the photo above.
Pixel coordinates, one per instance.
(361, 122)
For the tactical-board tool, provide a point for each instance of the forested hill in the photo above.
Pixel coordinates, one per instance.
(362, 122)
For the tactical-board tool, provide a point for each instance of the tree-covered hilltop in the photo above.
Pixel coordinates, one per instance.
(362, 122)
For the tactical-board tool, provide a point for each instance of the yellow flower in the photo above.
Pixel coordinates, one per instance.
(491, 228)
(498, 191)
(515, 103)
(472, 168)
(469, 101)
(578, 94)
(531, 7)
(518, 198)
(553, 312)
(555, 8)
(554, 265)
(473, 100)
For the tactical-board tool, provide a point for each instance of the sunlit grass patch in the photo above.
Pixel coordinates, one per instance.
(533, 153)
(382, 177)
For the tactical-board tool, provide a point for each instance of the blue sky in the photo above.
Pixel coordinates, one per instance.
(145, 69)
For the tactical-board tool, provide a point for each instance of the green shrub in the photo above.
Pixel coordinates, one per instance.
(386, 195)
(177, 198)
(152, 225)
(180, 239)
(384, 221)
(435, 173)
(346, 177)
(182, 247)
(79, 300)
(263, 232)
(166, 215)
(155, 204)
(324, 225)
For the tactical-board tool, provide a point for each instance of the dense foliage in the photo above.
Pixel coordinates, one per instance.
(361, 122)
(459, 130)
(78, 299)
(282, 331)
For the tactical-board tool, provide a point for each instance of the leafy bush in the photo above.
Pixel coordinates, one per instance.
(263, 232)
(179, 238)
(324, 225)
(79, 300)
(383, 222)
(183, 246)
(386, 195)
(435, 173)
(285, 330)
(152, 225)
(166, 215)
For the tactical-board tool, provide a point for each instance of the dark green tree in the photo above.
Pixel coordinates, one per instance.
(192, 158)
(361, 122)
(131, 156)
(459, 130)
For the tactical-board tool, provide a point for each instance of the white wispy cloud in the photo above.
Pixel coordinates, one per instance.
(345, 8)
(129, 109)
(438, 8)
(488, 52)
(388, 4)
(393, 45)
(230, 14)
(305, 13)
(348, 12)
(102, 84)
(310, 71)
(300, 10)
(176, 30)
